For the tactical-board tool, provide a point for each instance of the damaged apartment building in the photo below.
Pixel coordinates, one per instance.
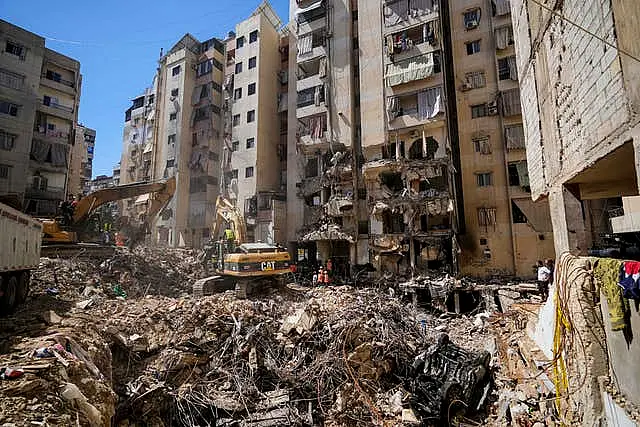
(325, 192)
(174, 129)
(420, 98)
(253, 160)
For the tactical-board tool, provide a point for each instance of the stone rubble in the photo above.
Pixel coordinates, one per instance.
(122, 342)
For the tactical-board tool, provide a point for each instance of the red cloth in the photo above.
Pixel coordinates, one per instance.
(632, 267)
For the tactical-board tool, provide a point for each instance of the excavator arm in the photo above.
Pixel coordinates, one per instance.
(163, 192)
(227, 212)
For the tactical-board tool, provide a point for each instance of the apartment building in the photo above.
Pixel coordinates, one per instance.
(254, 156)
(506, 232)
(323, 191)
(174, 129)
(81, 161)
(39, 99)
(580, 99)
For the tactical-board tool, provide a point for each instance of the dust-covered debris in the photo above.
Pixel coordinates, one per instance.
(122, 342)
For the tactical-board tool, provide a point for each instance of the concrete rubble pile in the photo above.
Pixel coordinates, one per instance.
(122, 342)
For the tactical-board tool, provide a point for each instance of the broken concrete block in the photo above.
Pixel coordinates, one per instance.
(84, 304)
(51, 318)
(409, 417)
(301, 321)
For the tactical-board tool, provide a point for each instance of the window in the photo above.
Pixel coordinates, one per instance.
(473, 47)
(11, 80)
(251, 116)
(51, 126)
(486, 218)
(217, 87)
(4, 171)
(514, 177)
(252, 62)
(479, 111)
(507, 68)
(239, 42)
(253, 36)
(171, 139)
(484, 179)
(202, 113)
(8, 108)
(15, 49)
(483, 241)
(238, 67)
(173, 116)
(236, 119)
(171, 163)
(248, 172)
(235, 145)
(517, 214)
(174, 92)
(311, 169)
(472, 19)
(251, 142)
(237, 94)
(7, 140)
(474, 80)
(482, 145)
(151, 99)
(175, 71)
(251, 90)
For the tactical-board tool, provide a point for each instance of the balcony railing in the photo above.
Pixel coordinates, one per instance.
(56, 78)
(51, 103)
(57, 134)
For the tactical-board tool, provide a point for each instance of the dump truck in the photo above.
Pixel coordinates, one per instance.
(21, 237)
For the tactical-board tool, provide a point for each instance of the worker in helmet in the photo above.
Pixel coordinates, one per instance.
(230, 238)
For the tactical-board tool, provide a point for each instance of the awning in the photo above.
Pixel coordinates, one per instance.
(142, 199)
(309, 8)
(327, 232)
(537, 213)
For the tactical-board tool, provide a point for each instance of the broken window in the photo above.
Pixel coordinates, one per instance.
(514, 178)
(15, 49)
(174, 92)
(517, 215)
(171, 139)
(392, 180)
(175, 71)
(472, 19)
(474, 80)
(173, 116)
(237, 93)
(393, 150)
(473, 47)
(311, 169)
(8, 108)
(392, 223)
(487, 218)
(311, 96)
(519, 175)
(484, 179)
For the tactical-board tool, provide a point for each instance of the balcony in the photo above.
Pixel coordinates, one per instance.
(51, 135)
(53, 107)
(311, 101)
(55, 81)
(315, 52)
(417, 109)
(310, 15)
(415, 41)
(413, 69)
(406, 13)
(48, 193)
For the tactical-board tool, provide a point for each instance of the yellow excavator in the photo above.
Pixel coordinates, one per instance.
(63, 230)
(238, 264)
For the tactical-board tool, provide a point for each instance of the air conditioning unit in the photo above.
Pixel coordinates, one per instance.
(492, 108)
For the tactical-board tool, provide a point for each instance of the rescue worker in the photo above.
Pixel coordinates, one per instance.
(230, 238)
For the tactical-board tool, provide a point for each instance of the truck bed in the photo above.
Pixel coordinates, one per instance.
(20, 240)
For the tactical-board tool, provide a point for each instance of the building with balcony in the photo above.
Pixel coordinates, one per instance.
(39, 98)
(174, 128)
(504, 232)
(255, 124)
(81, 161)
(323, 119)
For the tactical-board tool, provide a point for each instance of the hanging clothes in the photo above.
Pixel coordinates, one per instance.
(513, 68)
(523, 174)
(629, 279)
(429, 103)
(504, 37)
(503, 7)
(393, 108)
(607, 271)
(322, 68)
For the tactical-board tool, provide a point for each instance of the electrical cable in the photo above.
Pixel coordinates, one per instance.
(580, 27)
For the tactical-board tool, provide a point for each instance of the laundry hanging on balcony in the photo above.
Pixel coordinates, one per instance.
(305, 45)
(504, 37)
(322, 68)
(395, 12)
(416, 68)
(513, 68)
(393, 108)
(510, 100)
(422, 7)
(429, 103)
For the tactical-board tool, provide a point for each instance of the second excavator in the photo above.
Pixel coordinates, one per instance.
(244, 266)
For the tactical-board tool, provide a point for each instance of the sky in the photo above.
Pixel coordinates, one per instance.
(118, 45)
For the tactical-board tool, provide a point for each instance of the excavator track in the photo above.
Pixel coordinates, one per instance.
(77, 250)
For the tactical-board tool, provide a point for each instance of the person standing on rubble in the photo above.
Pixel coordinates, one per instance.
(544, 275)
